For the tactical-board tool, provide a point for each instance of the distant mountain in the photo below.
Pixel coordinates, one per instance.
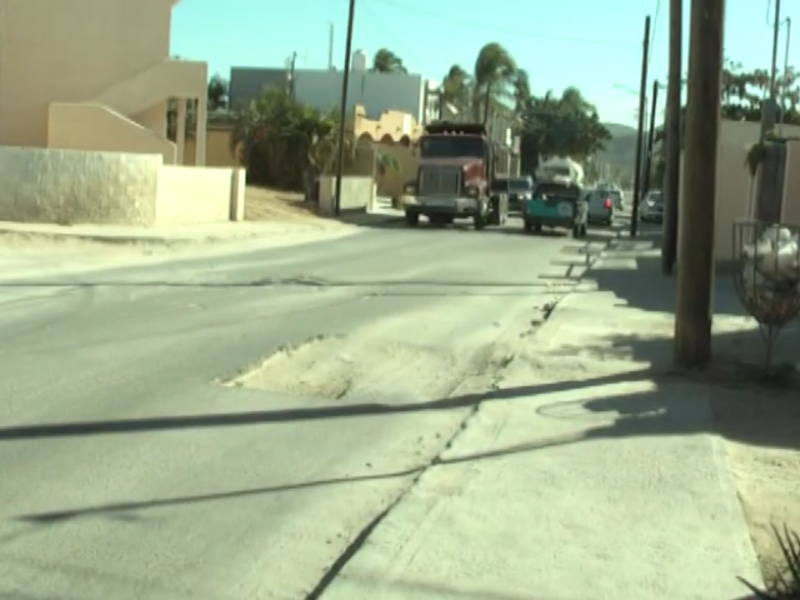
(619, 130)
(620, 150)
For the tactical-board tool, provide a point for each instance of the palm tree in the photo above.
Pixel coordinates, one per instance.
(522, 91)
(386, 61)
(456, 89)
(495, 69)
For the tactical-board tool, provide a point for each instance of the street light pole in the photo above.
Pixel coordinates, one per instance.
(650, 138)
(343, 109)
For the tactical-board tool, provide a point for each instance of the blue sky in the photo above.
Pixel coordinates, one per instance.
(592, 44)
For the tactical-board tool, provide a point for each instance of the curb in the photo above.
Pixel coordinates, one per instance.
(108, 238)
(550, 328)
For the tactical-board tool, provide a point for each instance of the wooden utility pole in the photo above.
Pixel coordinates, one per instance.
(651, 134)
(637, 176)
(348, 48)
(696, 252)
(672, 131)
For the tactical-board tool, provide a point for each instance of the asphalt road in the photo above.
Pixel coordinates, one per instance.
(134, 463)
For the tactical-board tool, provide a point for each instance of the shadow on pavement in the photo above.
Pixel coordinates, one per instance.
(668, 410)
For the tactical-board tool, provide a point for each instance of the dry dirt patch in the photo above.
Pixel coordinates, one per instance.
(334, 367)
(264, 204)
(762, 439)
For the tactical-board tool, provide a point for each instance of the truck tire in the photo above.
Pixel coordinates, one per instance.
(479, 221)
(412, 218)
(528, 226)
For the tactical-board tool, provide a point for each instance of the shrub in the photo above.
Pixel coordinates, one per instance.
(784, 584)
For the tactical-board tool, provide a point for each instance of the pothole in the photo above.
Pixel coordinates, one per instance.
(335, 367)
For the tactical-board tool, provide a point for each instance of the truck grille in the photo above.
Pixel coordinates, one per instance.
(439, 181)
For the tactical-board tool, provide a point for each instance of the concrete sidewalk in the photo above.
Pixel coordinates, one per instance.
(590, 474)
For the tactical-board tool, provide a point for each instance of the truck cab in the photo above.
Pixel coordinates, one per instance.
(454, 178)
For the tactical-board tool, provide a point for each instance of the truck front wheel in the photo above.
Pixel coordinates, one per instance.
(412, 218)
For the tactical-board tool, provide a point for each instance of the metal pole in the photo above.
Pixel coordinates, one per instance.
(769, 107)
(672, 169)
(637, 181)
(330, 47)
(648, 164)
(776, 32)
(785, 74)
(292, 68)
(343, 110)
(693, 310)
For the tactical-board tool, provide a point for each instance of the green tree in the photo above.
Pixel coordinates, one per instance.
(386, 61)
(494, 74)
(457, 89)
(560, 126)
(284, 143)
(743, 93)
(522, 92)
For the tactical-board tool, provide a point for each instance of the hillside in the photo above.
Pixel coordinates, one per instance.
(620, 151)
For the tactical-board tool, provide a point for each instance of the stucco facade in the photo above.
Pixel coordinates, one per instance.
(95, 75)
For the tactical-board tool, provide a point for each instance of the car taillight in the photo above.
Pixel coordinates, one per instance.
(608, 202)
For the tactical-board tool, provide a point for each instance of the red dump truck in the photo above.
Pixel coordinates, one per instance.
(455, 176)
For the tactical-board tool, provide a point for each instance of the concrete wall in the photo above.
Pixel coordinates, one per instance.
(70, 187)
(94, 127)
(188, 196)
(218, 149)
(734, 200)
(791, 186)
(113, 53)
(322, 89)
(358, 194)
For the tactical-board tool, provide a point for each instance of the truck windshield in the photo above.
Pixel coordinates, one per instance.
(451, 146)
(521, 185)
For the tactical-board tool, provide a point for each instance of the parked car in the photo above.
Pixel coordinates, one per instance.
(601, 207)
(651, 210)
(519, 190)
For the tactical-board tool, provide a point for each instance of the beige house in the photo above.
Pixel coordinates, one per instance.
(94, 75)
(84, 93)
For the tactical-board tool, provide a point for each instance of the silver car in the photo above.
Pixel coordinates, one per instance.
(601, 207)
(652, 207)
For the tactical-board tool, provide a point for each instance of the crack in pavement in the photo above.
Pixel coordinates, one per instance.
(491, 365)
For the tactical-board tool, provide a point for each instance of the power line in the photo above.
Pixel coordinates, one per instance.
(655, 31)
(528, 33)
(396, 40)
